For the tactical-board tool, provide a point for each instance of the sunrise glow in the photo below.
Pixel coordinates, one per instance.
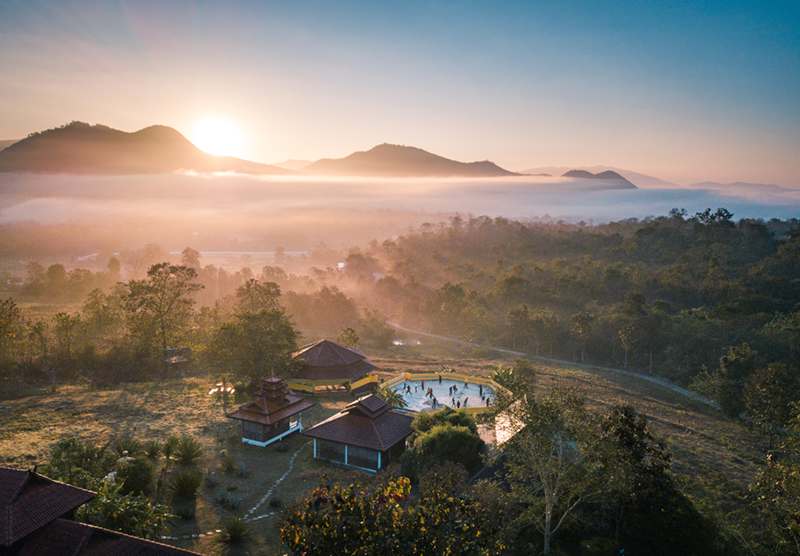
(218, 135)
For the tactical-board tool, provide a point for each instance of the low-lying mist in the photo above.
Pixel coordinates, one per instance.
(89, 213)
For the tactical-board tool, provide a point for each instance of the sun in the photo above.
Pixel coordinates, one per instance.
(218, 135)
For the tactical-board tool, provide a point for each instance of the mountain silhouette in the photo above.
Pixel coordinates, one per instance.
(81, 148)
(615, 180)
(402, 161)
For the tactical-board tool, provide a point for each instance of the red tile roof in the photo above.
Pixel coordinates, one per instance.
(275, 403)
(368, 422)
(29, 501)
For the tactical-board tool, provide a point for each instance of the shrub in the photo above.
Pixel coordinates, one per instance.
(188, 450)
(185, 512)
(446, 442)
(228, 502)
(170, 447)
(234, 530)
(185, 483)
(127, 445)
(152, 449)
(228, 463)
(136, 475)
(275, 502)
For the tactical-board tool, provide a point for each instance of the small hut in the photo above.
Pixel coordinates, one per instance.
(367, 434)
(277, 412)
(327, 360)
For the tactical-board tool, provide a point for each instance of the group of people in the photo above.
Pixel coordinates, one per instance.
(452, 391)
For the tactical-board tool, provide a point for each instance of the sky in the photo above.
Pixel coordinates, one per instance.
(686, 91)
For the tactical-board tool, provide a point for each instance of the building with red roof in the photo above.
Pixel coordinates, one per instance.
(367, 434)
(276, 413)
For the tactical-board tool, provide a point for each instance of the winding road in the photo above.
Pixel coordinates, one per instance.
(663, 382)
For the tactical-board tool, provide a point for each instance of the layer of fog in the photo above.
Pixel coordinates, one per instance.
(236, 211)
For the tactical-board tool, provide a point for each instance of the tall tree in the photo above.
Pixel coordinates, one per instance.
(161, 304)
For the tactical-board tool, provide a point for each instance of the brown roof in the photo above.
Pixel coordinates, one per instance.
(367, 422)
(274, 403)
(325, 359)
(29, 501)
(65, 537)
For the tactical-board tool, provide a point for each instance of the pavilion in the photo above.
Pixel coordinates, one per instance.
(367, 434)
(327, 360)
(276, 413)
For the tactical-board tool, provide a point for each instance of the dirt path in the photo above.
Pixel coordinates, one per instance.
(663, 382)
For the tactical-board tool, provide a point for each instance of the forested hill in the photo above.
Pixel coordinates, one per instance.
(80, 148)
(669, 295)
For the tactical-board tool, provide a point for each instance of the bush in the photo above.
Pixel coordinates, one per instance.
(170, 447)
(188, 450)
(152, 449)
(228, 463)
(185, 512)
(275, 502)
(228, 502)
(234, 530)
(425, 421)
(443, 443)
(185, 483)
(127, 445)
(136, 475)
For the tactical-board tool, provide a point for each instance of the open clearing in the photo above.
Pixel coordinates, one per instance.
(702, 441)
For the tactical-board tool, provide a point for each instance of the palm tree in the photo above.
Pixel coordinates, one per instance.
(393, 398)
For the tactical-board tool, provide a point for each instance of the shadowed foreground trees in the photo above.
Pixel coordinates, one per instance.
(385, 519)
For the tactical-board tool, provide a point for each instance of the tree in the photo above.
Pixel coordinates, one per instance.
(161, 304)
(348, 337)
(385, 520)
(735, 368)
(769, 395)
(257, 344)
(446, 442)
(626, 340)
(190, 258)
(552, 462)
(581, 330)
(65, 328)
(392, 397)
(255, 296)
(11, 330)
(775, 492)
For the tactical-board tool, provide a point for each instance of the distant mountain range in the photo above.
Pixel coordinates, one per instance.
(80, 148)
(609, 178)
(401, 161)
(640, 180)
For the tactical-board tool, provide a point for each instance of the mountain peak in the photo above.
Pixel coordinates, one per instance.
(83, 148)
(607, 176)
(392, 160)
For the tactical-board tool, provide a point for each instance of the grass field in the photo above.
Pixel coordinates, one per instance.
(711, 454)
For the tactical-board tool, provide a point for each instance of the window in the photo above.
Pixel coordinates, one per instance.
(362, 457)
(331, 451)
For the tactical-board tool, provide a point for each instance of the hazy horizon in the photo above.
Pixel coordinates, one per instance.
(685, 93)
